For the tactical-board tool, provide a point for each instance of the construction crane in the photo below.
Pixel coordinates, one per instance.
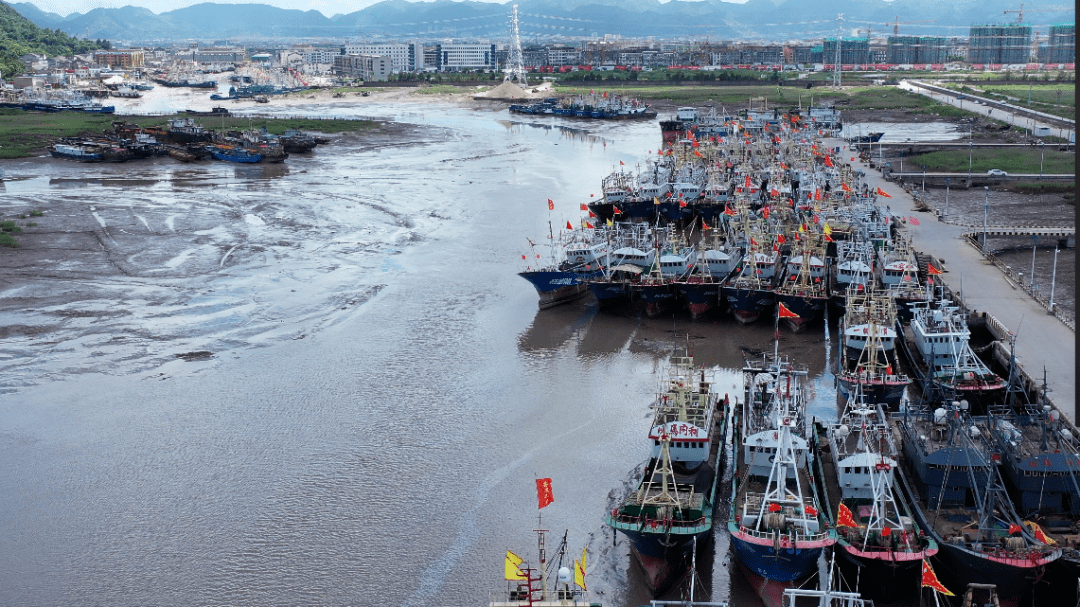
(1020, 13)
(896, 24)
(869, 53)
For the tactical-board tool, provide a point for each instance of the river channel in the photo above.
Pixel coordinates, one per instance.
(322, 382)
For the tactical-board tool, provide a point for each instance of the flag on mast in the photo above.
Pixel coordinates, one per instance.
(844, 517)
(544, 496)
(783, 312)
(930, 579)
(579, 571)
(930, 269)
(551, 205)
(513, 561)
(881, 192)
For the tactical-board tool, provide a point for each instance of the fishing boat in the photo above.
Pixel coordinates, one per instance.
(868, 360)
(672, 508)
(936, 346)
(777, 525)
(713, 262)
(533, 585)
(75, 152)
(562, 281)
(802, 289)
(233, 153)
(656, 287)
(750, 290)
(954, 486)
(880, 544)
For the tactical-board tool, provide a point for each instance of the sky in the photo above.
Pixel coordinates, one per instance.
(327, 7)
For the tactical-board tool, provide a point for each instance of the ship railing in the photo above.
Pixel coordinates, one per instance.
(653, 523)
(772, 534)
(879, 378)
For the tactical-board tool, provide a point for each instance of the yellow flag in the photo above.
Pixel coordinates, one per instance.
(825, 228)
(579, 571)
(655, 200)
(609, 222)
(512, 563)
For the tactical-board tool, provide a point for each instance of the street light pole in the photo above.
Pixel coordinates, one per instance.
(1042, 155)
(1053, 277)
(924, 178)
(969, 158)
(1034, 247)
(986, 213)
(947, 182)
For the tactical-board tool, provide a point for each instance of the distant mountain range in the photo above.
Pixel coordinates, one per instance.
(547, 20)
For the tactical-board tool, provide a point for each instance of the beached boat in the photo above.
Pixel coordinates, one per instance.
(948, 475)
(881, 545)
(233, 154)
(777, 525)
(672, 508)
(868, 360)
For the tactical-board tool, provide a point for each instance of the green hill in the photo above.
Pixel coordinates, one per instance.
(19, 36)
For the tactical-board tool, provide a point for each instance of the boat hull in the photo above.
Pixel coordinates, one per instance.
(609, 293)
(748, 304)
(880, 579)
(779, 560)
(700, 297)
(555, 287)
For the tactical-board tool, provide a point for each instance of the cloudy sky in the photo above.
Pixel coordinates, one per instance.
(327, 7)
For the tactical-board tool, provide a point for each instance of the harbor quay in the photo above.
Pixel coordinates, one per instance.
(1042, 340)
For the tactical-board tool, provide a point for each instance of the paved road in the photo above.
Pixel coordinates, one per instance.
(996, 113)
(1041, 339)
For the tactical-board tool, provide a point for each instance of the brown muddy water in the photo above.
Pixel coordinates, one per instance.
(322, 382)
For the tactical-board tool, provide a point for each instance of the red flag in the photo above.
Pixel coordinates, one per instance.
(881, 192)
(765, 212)
(682, 202)
(705, 226)
(728, 210)
(774, 192)
(811, 511)
(845, 187)
(930, 579)
(584, 207)
(780, 239)
(551, 205)
(827, 238)
(568, 226)
(844, 518)
(615, 210)
(747, 181)
(589, 225)
(1014, 529)
(817, 194)
(828, 162)
(621, 162)
(784, 312)
(592, 215)
(543, 492)
(930, 269)
(783, 166)
(753, 242)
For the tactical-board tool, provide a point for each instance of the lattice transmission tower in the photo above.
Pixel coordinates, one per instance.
(515, 63)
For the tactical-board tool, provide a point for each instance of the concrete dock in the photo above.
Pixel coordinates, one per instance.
(1041, 339)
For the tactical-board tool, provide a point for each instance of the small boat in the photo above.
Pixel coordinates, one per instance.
(75, 152)
(233, 153)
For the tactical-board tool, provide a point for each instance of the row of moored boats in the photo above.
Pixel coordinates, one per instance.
(184, 140)
(938, 473)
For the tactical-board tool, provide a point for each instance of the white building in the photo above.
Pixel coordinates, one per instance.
(451, 57)
(375, 68)
(407, 57)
